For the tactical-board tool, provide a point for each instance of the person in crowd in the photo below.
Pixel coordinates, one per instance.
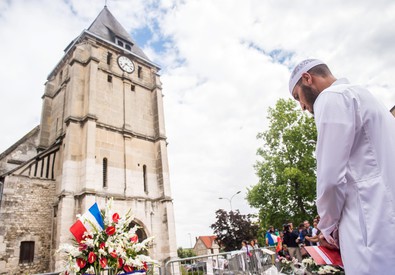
(247, 256)
(301, 234)
(289, 239)
(271, 238)
(307, 231)
(355, 152)
(284, 253)
(280, 241)
(314, 232)
(246, 247)
(301, 240)
(254, 244)
(314, 239)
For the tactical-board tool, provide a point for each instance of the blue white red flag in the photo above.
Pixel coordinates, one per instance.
(272, 238)
(90, 221)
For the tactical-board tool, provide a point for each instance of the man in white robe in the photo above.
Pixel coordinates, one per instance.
(355, 167)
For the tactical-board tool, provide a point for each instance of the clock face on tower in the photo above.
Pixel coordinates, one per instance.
(125, 64)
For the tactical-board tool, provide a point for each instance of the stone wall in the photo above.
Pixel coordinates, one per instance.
(23, 150)
(26, 215)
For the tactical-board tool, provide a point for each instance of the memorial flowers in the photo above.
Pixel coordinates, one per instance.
(105, 241)
(287, 266)
(313, 268)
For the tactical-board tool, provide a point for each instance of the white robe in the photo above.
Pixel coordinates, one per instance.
(356, 177)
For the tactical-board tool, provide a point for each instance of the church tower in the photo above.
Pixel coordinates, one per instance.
(102, 135)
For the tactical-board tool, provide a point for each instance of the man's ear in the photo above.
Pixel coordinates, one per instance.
(307, 79)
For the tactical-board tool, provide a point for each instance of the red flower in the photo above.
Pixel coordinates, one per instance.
(115, 217)
(114, 254)
(102, 245)
(134, 238)
(91, 257)
(103, 262)
(82, 246)
(128, 268)
(87, 236)
(110, 230)
(120, 263)
(81, 262)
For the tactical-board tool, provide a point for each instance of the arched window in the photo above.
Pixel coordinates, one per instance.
(145, 178)
(109, 57)
(139, 232)
(105, 172)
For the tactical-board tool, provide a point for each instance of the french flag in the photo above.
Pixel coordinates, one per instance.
(89, 221)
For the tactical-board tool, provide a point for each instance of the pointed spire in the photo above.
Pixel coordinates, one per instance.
(107, 27)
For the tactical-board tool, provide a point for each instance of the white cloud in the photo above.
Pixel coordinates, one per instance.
(217, 73)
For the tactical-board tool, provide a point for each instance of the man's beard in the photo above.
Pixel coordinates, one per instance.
(310, 96)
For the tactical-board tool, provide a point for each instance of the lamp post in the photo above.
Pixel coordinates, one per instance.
(230, 200)
(190, 240)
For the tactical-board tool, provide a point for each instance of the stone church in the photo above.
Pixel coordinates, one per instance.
(101, 135)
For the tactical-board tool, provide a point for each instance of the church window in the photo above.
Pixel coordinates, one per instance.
(139, 72)
(139, 232)
(42, 168)
(60, 77)
(132, 88)
(1, 188)
(26, 254)
(109, 56)
(126, 45)
(105, 172)
(145, 178)
(109, 78)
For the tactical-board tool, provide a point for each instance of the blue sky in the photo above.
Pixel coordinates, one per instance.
(223, 63)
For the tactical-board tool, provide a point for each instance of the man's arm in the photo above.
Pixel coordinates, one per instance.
(335, 120)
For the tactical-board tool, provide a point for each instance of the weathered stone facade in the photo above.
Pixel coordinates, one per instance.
(26, 211)
(101, 136)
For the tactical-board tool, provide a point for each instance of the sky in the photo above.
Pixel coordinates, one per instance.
(223, 64)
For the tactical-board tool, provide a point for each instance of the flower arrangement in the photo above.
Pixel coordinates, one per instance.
(115, 247)
(312, 267)
(286, 265)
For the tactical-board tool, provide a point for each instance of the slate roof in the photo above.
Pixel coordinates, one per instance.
(107, 27)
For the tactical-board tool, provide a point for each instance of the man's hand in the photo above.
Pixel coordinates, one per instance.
(326, 244)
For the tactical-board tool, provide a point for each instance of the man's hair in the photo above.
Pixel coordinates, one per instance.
(321, 70)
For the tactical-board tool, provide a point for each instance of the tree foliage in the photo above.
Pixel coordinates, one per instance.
(232, 228)
(185, 253)
(286, 167)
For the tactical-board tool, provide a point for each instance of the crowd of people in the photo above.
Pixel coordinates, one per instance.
(290, 241)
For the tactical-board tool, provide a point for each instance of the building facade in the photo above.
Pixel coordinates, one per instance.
(101, 135)
(206, 245)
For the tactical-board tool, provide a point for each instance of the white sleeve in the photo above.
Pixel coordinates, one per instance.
(335, 121)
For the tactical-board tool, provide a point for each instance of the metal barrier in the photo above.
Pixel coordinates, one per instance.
(228, 263)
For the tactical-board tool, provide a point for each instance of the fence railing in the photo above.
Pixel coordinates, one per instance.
(228, 263)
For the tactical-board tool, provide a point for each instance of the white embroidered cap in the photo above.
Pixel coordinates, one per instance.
(301, 68)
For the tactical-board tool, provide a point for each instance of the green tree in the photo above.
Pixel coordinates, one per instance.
(286, 167)
(185, 253)
(232, 228)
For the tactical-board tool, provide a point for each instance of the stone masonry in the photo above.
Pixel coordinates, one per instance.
(27, 205)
